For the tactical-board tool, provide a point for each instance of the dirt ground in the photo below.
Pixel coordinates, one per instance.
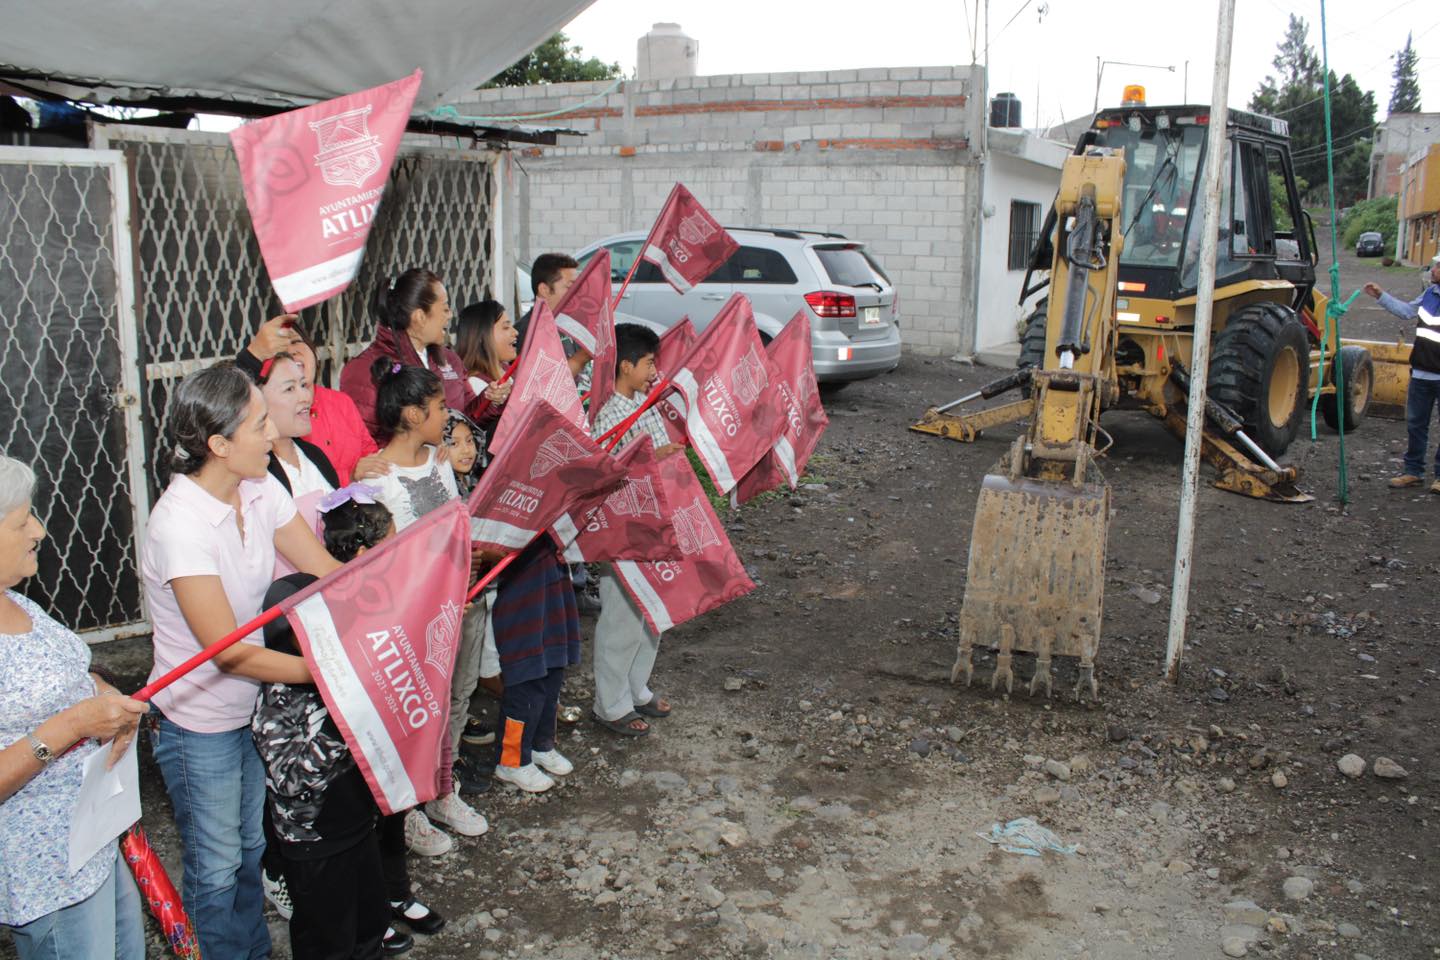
(821, 788)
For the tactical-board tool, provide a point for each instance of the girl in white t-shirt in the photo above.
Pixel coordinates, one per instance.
(410, 410)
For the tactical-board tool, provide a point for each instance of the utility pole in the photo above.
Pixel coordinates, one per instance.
(1216, 157)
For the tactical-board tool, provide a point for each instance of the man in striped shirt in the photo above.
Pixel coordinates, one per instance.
(625, 648)
(1423, 397)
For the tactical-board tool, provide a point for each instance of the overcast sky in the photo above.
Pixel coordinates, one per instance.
(1048, 61)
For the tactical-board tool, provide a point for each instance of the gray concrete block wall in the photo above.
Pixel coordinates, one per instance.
(881, 155)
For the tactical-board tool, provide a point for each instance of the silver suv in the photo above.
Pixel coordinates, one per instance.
(853, 310)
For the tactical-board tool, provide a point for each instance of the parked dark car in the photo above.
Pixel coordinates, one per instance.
(1370, 244)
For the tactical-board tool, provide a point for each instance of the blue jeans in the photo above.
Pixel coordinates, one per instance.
(105, 924)
(216, 783)
(1420, 401)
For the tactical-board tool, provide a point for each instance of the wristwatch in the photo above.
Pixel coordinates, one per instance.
(44, 754)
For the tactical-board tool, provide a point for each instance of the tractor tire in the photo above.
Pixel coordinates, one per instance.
(1357, 373)
(1261, 371)
(1032, 344)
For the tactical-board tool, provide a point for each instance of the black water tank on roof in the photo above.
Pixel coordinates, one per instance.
(1005, 110)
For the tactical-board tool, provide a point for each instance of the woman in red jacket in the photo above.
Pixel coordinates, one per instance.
(336, 426)
(414, 321)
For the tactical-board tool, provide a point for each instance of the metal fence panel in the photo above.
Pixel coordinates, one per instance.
(69, 378)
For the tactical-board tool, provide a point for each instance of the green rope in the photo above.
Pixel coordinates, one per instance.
(1335, 309)
(448, 112)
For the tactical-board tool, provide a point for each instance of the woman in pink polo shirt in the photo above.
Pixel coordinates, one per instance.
(208, 559)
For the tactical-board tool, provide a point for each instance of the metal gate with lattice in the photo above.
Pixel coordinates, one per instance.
(70, 378)
(106, 315)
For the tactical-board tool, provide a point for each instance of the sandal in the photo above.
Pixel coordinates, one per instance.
(623, 727)
(653, 708)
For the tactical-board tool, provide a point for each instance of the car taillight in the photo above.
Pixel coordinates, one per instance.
(826, 303)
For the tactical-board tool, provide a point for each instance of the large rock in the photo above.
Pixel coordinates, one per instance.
(1387, 769)
(1352, 765)
(1298, 888)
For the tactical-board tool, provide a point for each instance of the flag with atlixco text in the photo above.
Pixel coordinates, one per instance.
(380, 635)
(707, 574)
(805, 419)
(732, 411)
(686, 243)
(313, 179)
(546, 466)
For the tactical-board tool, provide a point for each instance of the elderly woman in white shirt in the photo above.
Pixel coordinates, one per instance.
(53, 714)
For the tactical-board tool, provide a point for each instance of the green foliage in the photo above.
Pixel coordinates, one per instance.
(719, 501)
(1295, 93)
(1280, 202)
(1377, 214)
(556, 60)
(1405, 95)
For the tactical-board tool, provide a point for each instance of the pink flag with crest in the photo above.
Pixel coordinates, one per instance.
(805, 419)
(632, 522)
(541, 375)
(732, 412)
(585, 315)
(313, 179)
(543, 469)
(380, 635)
(708, 573)
(686, 243)
(675, 343)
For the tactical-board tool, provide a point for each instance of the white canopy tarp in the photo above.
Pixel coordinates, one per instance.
(278, 52)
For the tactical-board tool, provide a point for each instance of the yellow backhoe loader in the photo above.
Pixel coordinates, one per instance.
(1121, 247)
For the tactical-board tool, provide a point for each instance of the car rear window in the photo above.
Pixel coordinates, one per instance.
(758, 265)
(848, 266)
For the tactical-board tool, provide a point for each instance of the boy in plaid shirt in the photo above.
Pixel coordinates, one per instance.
(625, 647)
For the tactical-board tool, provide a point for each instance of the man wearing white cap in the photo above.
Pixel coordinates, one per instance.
(1424, 394)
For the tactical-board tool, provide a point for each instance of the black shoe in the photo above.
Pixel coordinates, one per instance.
(396, 943)
(477, 733)
(470, 776)
(429, 922)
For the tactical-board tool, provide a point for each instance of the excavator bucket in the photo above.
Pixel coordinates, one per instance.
(1036, 578)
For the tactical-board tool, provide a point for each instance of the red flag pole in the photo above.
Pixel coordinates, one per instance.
(209, 653)
(500, 565)
(484, 400)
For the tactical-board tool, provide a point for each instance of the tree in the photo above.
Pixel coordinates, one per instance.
(556, 60)
(1405, 97)
(1296, 93)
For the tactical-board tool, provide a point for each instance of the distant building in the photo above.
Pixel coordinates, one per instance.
(1022, 174)
(1399, 137)
(1419, 190)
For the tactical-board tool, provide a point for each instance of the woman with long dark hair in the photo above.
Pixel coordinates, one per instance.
(415, 314)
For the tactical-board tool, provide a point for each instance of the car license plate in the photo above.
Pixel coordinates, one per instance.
(872, 316)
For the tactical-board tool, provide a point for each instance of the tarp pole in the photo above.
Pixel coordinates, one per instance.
(1217, 156)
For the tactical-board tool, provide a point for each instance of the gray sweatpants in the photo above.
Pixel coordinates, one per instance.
(467, 667)
(625, 650)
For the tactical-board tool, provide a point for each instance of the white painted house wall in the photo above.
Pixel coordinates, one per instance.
(1023, 167)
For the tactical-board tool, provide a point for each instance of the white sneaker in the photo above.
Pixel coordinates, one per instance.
(552, 761)
(422, 837)
(529, 778)
(457, 815)
(278, 893)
